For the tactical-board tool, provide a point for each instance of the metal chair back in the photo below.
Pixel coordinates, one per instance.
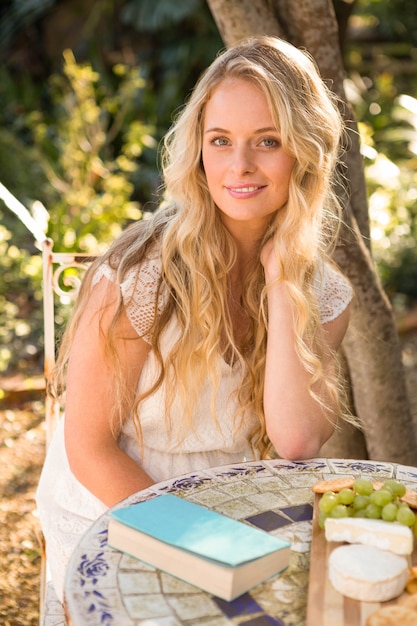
(62, 276)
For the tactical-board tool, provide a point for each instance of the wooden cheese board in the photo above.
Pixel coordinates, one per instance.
(326, 606)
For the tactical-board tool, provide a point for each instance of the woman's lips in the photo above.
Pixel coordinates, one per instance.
(244, 191)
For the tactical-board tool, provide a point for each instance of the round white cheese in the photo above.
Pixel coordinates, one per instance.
(366, 573)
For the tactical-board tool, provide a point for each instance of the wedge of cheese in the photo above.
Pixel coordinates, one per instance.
(366, 573)
(377, 533)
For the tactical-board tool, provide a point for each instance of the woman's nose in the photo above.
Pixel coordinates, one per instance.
(242, 160)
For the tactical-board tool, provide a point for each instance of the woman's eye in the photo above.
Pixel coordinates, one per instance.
(220, 141)
(269, 142)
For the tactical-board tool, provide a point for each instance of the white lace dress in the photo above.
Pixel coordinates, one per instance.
(66, 508)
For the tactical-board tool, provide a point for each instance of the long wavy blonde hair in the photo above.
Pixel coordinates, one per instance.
(198, 253)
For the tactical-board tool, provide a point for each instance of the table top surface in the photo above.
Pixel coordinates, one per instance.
(105, 587)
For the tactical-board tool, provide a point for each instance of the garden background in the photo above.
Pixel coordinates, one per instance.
(87, 91)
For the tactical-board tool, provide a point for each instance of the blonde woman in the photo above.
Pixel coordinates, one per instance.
(208, 334)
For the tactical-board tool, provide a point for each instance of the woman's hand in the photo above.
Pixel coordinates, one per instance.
(296, 423)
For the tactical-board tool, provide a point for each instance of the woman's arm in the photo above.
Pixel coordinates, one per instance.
(297, 425)
(93, 452)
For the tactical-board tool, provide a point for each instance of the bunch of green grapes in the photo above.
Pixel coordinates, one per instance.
(362, 500)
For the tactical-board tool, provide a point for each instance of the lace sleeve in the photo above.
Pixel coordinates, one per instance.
(139, 292)
(333, 293)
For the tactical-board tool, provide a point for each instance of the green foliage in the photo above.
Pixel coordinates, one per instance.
(178, 40)
(18, 13)
(77, 155)
(393, 213)
(84, 143)
(151, 16)
(89, 144)
(395, 20)
(382, 87)
(20, 278)
(20, 297)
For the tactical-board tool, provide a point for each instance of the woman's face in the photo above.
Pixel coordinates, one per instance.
(247, 170)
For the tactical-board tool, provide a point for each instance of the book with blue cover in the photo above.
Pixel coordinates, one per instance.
(223, 556)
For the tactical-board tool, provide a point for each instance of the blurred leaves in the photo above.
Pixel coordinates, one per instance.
(395, 19)
(152, 16)
(389, 145)
(17, 13)
(89, 174)
(77, 155)
(83, 142)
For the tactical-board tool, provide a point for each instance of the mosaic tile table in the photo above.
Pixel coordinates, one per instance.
(107, 588)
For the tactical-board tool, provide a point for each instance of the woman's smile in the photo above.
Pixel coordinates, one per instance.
(248, 191)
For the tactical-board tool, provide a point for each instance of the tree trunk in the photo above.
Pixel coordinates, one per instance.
(238, 19)
(371, 346)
